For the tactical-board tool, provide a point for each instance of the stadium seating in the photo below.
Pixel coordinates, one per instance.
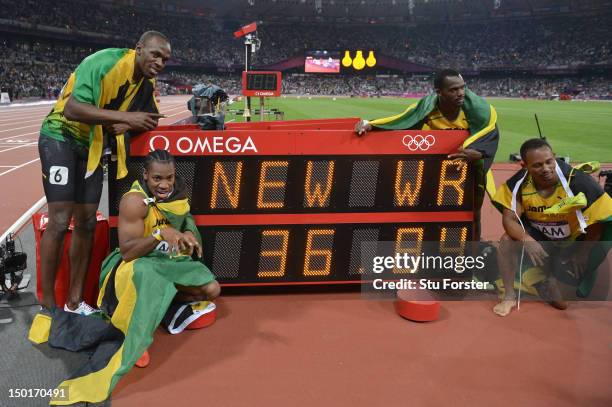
(576, 48)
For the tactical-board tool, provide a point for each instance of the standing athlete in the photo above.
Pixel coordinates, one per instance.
(111, 92)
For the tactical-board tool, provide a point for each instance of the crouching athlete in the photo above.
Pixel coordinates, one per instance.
(547, 207)
(150, 279)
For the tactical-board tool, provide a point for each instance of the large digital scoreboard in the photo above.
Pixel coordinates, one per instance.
(292, 202)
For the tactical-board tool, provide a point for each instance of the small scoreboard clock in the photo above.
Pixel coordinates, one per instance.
(261, 83)
(292, 202)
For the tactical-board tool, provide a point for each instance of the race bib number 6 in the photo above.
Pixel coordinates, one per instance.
(58, 175)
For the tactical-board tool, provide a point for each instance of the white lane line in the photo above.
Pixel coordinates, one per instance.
(180, 106)
(20, 146)
(19, 128)
(26, 108)
(170, 104)
(28, 144)
(176, 114)
(18, 167)
(14, 121)
(12, 118)
(9, 115)
(17, 141)
(168, 113)
(47, 106)
(168, 109)
(24, 219)
(19, 135)
(24, 115)
(8, 166)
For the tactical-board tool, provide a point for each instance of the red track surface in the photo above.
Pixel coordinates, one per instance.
(20, 181)
(340, 350)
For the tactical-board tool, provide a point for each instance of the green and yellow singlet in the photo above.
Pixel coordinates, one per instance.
(436, 121)
(105, 80)
(555, 226)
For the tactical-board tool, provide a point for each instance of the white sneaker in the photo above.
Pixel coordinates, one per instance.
(82, 309)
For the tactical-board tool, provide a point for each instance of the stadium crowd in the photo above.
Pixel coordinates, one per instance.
(27, 79)
(558, 42)
(396, 85)
(34, 67)
(550, 41)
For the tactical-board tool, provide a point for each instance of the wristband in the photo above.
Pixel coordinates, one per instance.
(157, 234)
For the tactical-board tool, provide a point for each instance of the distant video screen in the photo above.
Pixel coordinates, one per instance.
(322, 62)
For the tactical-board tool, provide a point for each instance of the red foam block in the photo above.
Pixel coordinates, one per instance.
(421, 310)
(205, 320)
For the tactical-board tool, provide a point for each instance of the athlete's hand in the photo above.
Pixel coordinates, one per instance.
(175, 239)
(464, 155)
(193, 244)
(116, 129)
(362, 127)
(181, 242)
(535, 251)
(141, 121)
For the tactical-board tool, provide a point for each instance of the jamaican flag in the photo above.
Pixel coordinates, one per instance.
(134, 297)
(482, 121)
(581, 203)
(104, 80)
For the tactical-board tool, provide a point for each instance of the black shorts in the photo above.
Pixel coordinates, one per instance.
(64, 164)
(559, 251)
(552, 247)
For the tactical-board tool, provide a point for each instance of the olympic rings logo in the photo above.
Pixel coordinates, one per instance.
(418, 142)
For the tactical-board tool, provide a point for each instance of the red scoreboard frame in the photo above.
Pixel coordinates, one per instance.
(280, 203)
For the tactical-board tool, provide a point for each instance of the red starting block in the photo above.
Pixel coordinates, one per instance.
(99, 251)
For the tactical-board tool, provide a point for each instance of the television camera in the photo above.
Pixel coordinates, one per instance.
(12, 265)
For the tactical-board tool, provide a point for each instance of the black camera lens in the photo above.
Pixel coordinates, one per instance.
(10, 246)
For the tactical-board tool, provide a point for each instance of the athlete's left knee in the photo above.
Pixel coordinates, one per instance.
(86, 223)
(211, 290)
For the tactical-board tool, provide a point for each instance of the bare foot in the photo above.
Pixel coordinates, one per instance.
(504, 307)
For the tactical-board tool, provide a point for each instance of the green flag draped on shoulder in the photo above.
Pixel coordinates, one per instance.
(481, 118)
(175, 209)
(135, 296)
